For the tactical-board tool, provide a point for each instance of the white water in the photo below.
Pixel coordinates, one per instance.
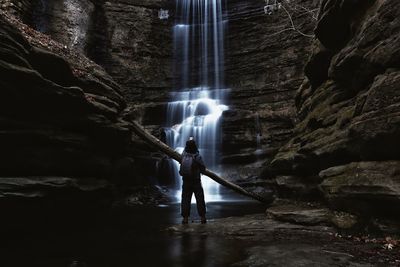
(197, 105)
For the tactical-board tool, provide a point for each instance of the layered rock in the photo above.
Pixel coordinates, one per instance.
(67, 21)
(265, 57)
(125, 37)
(140, 49)
(31, 188)
(58, 117)
(311, 214)
(20, 8)
(348, 110)
(373, 187)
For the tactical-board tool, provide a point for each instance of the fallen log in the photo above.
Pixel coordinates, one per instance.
(152, 140)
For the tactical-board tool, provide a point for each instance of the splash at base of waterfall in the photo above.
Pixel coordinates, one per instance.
(197, 106)
(196, 113)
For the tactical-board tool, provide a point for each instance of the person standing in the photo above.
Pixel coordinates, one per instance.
(191, 167)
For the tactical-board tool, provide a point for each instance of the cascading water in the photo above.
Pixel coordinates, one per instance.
(198, 101)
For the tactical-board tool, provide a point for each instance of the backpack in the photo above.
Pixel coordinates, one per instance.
(186, 168)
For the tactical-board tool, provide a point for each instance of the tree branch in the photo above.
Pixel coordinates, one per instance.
(293, 26)
(152, 140)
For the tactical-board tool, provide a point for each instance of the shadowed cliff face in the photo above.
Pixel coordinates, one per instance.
(56, 119)
(125, 37)
(140, 49)
(264, 68)
(63, 132)
(345, 145)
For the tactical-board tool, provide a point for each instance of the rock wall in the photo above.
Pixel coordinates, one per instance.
(125, 37)
(20, 8)
(67, 21)
(61, 119)
(345, 146)
(264, 61)
(265, 57)
(140, 46)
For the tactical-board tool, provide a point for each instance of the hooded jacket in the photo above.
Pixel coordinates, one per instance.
(198, 165)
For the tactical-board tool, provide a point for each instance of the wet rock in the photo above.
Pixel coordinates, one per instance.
(300, 215)
(295, 186)
(202, 110)
(251, 227)
(247, 177)
(296, 254)
(271, 243)
(367, 187)
(311, 214)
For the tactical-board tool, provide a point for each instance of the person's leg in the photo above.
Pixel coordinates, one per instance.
(186, 201)
(201, 204)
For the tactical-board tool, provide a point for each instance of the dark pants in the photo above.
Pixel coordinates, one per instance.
(189, 187)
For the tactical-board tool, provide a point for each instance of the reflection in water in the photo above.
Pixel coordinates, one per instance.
(191, 250)
(194, 250)
(119, 238)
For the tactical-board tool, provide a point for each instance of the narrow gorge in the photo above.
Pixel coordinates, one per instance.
(292, 104)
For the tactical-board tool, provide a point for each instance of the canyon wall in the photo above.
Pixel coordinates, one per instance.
(345, 146)
(265, 56)
(126, 38)
(62, 123)
(265, 59)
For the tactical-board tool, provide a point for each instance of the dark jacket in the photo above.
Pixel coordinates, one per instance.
(198, 165)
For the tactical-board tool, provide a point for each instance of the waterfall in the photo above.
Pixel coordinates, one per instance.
(198, 100)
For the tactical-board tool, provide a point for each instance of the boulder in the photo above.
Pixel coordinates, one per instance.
(311, 214)
(300, 215)
(369, 188)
